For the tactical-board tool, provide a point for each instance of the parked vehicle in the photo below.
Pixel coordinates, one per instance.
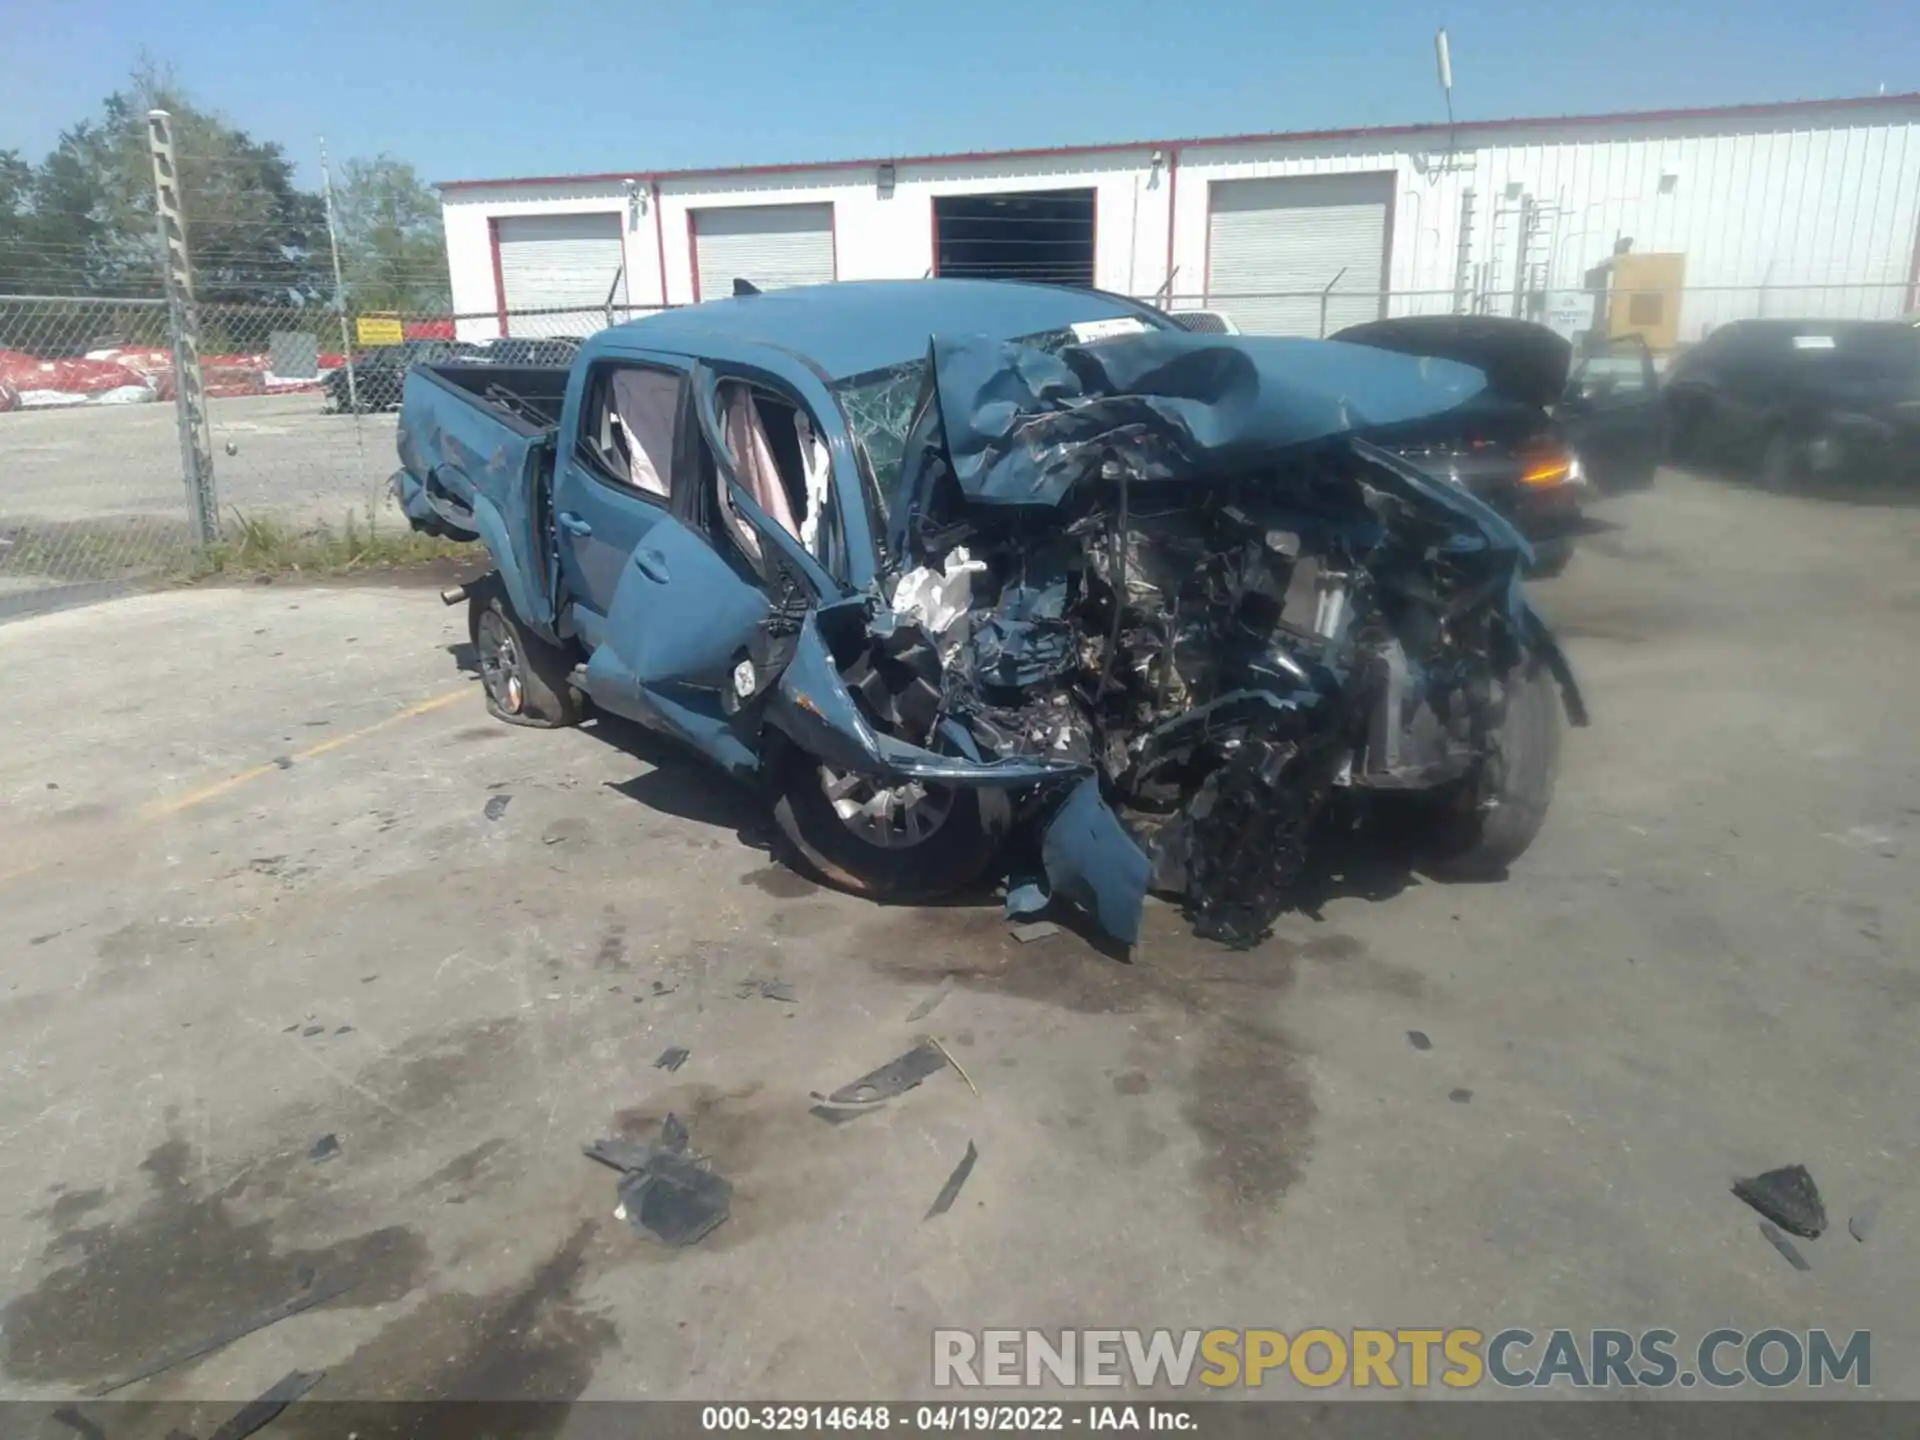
(1801, 400)
(1112, 604)
(1545, 432)
(513, 350)
(380, 371)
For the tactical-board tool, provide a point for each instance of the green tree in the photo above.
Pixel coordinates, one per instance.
(255, 236)
(392, 248)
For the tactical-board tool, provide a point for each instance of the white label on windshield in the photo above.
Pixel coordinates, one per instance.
(1088, 330)
(1813, 342)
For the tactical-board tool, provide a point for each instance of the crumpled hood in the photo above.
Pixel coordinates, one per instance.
(1522, 361)
(1019, 426)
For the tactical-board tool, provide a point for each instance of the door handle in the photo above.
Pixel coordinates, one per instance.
(574, 524)
(652, 564)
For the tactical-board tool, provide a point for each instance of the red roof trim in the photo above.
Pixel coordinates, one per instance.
(1768, 110)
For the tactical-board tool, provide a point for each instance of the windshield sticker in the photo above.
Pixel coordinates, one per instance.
(1089, 330)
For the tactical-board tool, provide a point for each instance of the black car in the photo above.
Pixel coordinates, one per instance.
(1801, 400)
(1544, 432)
(528, 354)
(379, 371)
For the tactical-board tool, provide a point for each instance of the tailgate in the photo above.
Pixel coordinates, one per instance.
(475, 467)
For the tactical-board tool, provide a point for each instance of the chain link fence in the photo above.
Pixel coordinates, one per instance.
(301, 405)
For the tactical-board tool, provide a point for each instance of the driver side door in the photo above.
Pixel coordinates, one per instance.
(1611, 414)
(687, 603)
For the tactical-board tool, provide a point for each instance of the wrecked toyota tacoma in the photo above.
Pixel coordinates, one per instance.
(971, 575)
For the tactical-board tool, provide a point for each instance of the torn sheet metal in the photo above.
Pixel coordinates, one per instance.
(1092, 861)
(1099, 554)
(1016, 425)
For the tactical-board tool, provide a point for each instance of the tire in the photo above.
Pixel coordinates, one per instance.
(1783, 466)
(950, 857)
(526, 679)
(1484, 826)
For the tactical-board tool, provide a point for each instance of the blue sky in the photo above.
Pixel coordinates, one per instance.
(472, 88)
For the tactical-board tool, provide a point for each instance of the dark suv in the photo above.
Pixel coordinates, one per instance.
(380, 371)
(1800, 400)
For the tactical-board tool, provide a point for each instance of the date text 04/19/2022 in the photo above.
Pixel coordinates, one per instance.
(942, 1419)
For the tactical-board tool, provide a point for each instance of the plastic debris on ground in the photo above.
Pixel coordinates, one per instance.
(950, 1191)
(672, 1058)
(874, 1089)
(1785, 1246)
(325, 1148)
(1863, 1220)
(1031, 931)
(257, 1414)
(780, 990)
(927, 1006)
(1788, 1197)
(497, 806)
(665, 1188)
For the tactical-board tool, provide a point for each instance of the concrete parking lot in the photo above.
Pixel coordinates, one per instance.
(253, 896)
(114, 461)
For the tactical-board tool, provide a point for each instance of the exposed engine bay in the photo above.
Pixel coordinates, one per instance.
(1173, 644)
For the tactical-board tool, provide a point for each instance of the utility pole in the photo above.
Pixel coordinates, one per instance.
(183, 312)
(339, 290)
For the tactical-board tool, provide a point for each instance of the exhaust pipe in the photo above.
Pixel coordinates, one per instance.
(453, 595)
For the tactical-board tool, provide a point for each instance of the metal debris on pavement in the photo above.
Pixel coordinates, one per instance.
(665, 1188)
(1034, 930)
(958, 1068)
(1418, 1040)
(768, 990)
(950, 1191)
(926, 1006)
(1863, 1220)
(1785, 1246)
(1788, 1197)
(317, 1292)
(497, 806)
(672, 1058)
(894, 1078)
(325, 1148)
(258, 1414)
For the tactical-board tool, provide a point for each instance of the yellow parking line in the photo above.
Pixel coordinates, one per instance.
(161, 809)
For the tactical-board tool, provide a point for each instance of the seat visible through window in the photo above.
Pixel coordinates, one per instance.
(635, 436)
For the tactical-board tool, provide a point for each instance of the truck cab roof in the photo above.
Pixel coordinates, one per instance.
(855, 326)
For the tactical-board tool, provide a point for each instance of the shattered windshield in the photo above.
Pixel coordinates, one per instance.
(879, 407)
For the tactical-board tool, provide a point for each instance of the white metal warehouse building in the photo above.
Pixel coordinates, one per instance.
(1806, 207)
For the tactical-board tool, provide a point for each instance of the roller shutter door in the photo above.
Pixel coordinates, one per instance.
(772, 246)
(1291, 237)
(558, 262)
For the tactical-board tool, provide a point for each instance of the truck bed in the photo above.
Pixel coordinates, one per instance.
(476, 463)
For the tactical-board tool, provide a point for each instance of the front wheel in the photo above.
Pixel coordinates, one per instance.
(903, 842)
(1488, 823)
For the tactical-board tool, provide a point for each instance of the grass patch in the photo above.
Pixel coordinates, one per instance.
(256, 545)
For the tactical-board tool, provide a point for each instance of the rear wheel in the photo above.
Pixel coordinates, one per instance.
(1488, 823)
(904, 842)
(1783, 462)
(525, 678)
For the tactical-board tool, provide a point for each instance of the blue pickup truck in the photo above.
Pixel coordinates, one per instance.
(977, 576)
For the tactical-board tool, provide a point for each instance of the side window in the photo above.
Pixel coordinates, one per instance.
(627, 426)
(781, 460)
(1616, 369)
